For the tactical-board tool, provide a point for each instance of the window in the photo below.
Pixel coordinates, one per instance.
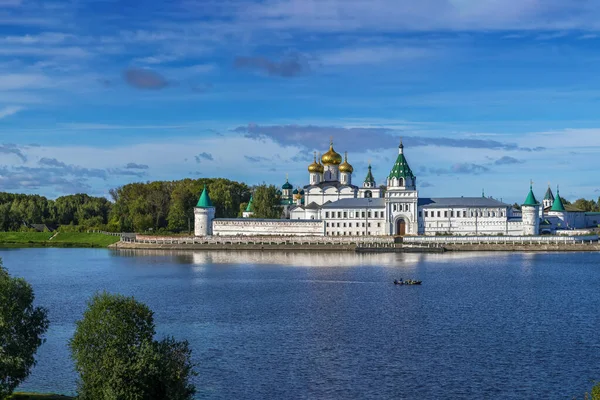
(452, 214)
(369, 214)
(426, 214)
(363, 224)
(338, 224)
(464, 214)
(326, 214)
(369, 224)
(339, 214)
(327, 225)
(363, 214)
(439, 214)
(379, 224)
(344, 224)
(445, 214)
(345, 214)
(420, 214)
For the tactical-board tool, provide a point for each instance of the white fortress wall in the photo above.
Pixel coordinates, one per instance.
(267, 227)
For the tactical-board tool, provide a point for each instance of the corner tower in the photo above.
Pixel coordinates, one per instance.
(204, 213)
(530, 210)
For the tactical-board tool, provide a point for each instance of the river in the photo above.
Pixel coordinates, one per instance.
(281, 325)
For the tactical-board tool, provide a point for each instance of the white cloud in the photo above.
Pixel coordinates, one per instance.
(17, 81)
(8, 111)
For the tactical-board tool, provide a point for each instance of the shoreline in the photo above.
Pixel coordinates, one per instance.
(595, 247)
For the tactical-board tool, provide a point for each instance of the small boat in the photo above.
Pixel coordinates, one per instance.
(406, 282)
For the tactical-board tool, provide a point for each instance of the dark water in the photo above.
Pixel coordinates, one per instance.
(333, 326)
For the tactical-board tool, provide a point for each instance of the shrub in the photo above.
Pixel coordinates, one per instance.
(117, 358)
(22, 327)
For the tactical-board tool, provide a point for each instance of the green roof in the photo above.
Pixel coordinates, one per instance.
(370, 178)
(531, 200)
(401, 169)
(287, 185)
(204, 201)
(549, 195)
(558, 204)
(249, 207)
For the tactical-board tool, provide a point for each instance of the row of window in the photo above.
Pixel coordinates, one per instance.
(457, 214)
(357, 214)
(348, 233)
(349, 224)
(401, 207)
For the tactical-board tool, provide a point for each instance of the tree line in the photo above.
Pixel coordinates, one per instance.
(159, 206)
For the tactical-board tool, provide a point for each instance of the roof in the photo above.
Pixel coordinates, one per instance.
(249, 207)
(558, 204)
(567, 208)
(370, 178)
(287, 185)
(356, 203)
(549, 195)
(460, 202)
(204, 201)
(401, 168)
(531, 200)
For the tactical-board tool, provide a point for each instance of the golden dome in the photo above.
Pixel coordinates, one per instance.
(315, 167)
(331, 157)
(345, 167)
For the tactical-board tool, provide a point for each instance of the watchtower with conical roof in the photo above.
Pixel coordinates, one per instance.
(249, 211)
(530, 211)
(204, 213)
(548, 198)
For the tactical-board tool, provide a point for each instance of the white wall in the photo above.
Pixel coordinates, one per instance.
(354, 222)
(274, 227)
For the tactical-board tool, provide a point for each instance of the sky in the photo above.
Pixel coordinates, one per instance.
(487, 95)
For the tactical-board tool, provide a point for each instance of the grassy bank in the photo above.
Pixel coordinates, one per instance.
(37, 396)
(62, 239)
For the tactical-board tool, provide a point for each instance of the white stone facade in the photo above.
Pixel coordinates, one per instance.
(267, 227)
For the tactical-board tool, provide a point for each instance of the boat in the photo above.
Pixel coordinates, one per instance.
(406, 282)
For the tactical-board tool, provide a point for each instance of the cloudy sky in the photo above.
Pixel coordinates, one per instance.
(487, 94)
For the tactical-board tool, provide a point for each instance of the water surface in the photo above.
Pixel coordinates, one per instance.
(329, 326)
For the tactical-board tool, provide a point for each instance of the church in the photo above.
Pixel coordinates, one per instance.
(332, 205)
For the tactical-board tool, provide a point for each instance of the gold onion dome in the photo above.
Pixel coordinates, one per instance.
(331, 157)
(315, 167)
(345, 166)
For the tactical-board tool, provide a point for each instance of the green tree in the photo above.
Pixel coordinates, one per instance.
(117, 358)
(22, 327)
(266, 202)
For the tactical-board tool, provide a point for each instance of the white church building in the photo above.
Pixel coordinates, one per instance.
(331, 205)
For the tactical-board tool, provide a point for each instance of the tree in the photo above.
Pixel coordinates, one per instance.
(117, 358)
(22, 327)
(266, 202)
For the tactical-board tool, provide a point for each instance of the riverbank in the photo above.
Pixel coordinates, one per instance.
(398, 248)
(56, 239)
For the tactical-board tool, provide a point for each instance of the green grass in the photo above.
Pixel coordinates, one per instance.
(62, 239)
(24, 237)
(38, 396)
(88, 239)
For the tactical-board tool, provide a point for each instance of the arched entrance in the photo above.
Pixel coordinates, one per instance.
(400, 227)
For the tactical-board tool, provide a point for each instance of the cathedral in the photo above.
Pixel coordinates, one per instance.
(331, 205)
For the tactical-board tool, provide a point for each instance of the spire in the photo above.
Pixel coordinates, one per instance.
(204, 201)
(549, 195)
(370, 179)
(531, 200)
(558, 204)
(249, 207)
(401, 168)
(483, 193)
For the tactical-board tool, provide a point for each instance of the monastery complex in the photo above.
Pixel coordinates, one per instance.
(332, 205)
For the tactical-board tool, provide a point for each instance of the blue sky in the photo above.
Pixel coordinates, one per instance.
(486, 94)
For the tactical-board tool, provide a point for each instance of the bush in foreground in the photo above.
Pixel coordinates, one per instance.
(117, 357)
(22, 327)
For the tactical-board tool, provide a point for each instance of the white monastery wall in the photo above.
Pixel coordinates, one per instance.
(267, 227)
